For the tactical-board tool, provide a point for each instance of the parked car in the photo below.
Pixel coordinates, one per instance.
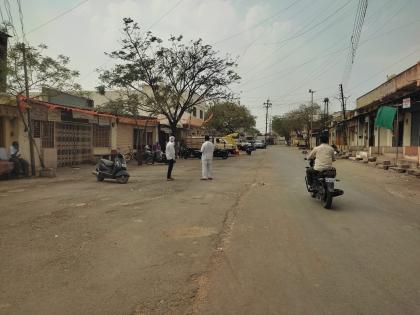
(260, 144)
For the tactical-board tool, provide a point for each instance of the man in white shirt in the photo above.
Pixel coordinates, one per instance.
(170, 156)
(207, 150)
(323, 156)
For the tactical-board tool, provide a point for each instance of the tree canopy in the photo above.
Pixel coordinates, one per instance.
(227, 117)
(172, 78)
(300, 119)
(43, 71)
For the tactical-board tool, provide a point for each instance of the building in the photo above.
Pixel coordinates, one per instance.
(401, 91)
(70, 135)
(189, 124)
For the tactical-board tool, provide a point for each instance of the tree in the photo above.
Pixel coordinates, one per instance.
(172, 78)
(228, 117)
(43, 71)
(301, 119)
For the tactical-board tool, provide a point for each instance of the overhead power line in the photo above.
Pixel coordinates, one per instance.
(262, 61)
(354, 39)
(165, 14)
(58, 16)
(257, 24)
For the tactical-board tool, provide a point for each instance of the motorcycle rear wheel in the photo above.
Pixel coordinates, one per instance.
(327, 199)
(99, 178)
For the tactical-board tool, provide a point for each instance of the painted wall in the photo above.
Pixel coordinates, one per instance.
(385, 137)
(407, 130)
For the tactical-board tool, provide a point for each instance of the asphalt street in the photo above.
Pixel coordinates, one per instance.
(288, 255)
(252, 241)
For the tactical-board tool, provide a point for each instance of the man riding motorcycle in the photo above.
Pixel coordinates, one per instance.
(323, 156)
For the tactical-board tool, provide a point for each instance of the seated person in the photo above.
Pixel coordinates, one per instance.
(21, 166)
(323, 156)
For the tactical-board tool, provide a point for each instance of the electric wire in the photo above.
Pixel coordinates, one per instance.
(57, 17)
(257, 24)
(262, 61)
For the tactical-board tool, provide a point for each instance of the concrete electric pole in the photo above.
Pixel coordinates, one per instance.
(312, 114)
(267, 105)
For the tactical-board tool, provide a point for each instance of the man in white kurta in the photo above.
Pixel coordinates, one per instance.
(207, 150)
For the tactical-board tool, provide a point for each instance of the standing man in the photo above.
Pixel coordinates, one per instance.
(170, 156)
(207, 150)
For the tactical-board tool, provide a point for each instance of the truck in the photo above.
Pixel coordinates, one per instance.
(192, 146)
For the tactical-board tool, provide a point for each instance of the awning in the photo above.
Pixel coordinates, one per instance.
(385, 117)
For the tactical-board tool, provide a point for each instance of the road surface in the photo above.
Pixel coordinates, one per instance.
(250, 242)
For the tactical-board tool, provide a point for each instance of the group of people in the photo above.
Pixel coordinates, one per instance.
(207, 149)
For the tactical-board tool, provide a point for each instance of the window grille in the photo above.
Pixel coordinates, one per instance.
(101, 136)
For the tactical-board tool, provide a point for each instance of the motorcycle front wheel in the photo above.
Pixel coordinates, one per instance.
(122, 179)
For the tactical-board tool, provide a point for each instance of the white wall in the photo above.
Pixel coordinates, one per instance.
(407, 130)
(386, 137)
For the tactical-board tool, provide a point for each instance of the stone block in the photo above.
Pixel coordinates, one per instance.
(388, 163)
(372, 159)
(47, 172)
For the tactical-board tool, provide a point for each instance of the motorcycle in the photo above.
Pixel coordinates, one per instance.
(323, 186)
(248, 150)
(116, 169)
(159, 157)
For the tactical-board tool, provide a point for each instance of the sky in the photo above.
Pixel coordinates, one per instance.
(284, 47)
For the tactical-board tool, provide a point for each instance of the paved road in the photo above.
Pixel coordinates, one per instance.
(287, 255)
(250, 242)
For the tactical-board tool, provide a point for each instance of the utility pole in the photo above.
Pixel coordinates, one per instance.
(343, 108)
(267, 105)
(312, 114)
(28, 111)
(326, 101)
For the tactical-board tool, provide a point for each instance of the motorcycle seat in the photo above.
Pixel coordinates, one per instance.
(331, 172)
(107, 162)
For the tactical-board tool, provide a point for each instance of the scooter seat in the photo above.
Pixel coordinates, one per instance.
(107, 162)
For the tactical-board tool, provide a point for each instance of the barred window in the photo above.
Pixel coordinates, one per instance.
(201, 114)
(194, 111)
(101, 136)
(47, 134)
(36, 128)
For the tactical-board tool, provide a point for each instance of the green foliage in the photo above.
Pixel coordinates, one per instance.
(172, 78)
(297, 120)
(42, 70)
(228, 117)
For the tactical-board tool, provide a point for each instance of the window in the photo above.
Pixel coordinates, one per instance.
(47, 134)
(36, 128)
(43, 130)
(201, 114)
(194, 111)
(101, 136)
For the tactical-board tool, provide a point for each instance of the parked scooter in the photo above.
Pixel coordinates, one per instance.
(323, 186)
(116, 169)
(159, 157)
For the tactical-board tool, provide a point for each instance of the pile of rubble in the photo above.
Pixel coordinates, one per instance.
(402, 166)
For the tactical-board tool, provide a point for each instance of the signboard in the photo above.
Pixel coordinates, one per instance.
(54, 115)
(407, 102)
